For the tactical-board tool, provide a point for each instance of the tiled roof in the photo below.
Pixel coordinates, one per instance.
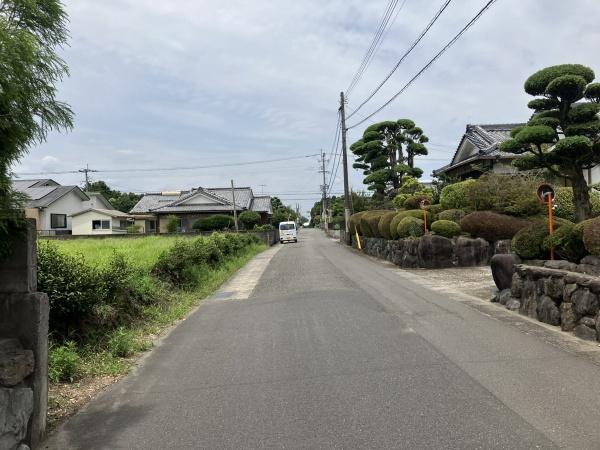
(41, 197)
(486, 139)
(106, 212)
(243, 195)
(19, 184)
(262, 204)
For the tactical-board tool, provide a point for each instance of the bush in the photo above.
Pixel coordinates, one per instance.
(355, 222)
(216, 222)
(414, 201)
(529, 242)
(384, 224)
(249, 219)
(122, 343)
(133, 229)
(492, 226)
(591, 236)
(435, 210)
(369, 223)
(567, 242)
(264, 227)
(64, 363)
(446, 228)
(172, 223)
(454, 196)
(174, 264)
(512, 194)
(411, 227)
(564, 207)
(418, 213)
(455, 215)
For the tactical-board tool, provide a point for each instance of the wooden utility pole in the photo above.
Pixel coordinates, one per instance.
(347, 195)
(86, 171)
(234, 207)
(324, 199)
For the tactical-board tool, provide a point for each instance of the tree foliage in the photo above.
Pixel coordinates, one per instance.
(387, 152)
(563, 135)
(121, 201)
(30, 34)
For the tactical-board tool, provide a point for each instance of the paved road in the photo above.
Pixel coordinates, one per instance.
(335, 350)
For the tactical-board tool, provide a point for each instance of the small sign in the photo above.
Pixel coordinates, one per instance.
(545, 191)
(425, 204)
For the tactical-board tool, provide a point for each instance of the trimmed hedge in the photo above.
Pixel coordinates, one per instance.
(455, 215)
(411, 227)
(565, 208)
(355, 222)
(369, 223)
(418, 213)
(216, 222)
(568, 242)
(492, 226)
(455, 196)
(529, 242)
(446, 228)
(249, 219)
(384, 224)
(591, 236)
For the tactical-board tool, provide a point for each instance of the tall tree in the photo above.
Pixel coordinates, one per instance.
(121, 201)
(563, 135)
(387, 152)
(30, 34)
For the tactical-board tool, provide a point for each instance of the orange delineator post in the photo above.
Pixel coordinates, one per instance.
(551, 225)
(425, 217)
(358, 239)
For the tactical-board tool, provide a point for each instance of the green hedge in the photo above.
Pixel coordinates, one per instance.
(249, 219)
(369, 223)
(384, 224)
(411, 227)
(568, 242)
(455, 196)
(564, 207)
(529, 242)
(591, 236)
(455, 215)
(446, 228)
(214, 223)
(492, 226)
(355, 222)
(418, 213)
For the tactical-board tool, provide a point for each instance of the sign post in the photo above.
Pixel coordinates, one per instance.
(425, 204)
(546, 194)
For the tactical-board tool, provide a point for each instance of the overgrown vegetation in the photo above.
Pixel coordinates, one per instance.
(103, 304)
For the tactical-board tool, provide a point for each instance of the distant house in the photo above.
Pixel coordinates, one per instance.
(189, 206)
(52, 205)
(479, 151)
(94, 221)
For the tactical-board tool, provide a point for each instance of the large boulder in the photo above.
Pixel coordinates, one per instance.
(547, 311)
(472, 252)
(585, 302)
(435, 252)
(503, 267)
(568, 318)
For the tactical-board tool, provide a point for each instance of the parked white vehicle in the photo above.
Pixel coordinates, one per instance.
(288, 232)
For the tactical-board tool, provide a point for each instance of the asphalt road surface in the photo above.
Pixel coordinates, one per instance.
(334, 350)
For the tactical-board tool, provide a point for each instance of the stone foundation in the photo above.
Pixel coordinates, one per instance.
(430, 252)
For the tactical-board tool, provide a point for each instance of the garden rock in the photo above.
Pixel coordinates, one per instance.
(554, 288)
(588, 322)
(591, 260)
(472, 252)
(547, 311)
(503, 267)
(561, 265)
(516, 286)
(568, 319)
(585, 332)
(503, 296)
(502, 247)
(584, 302)
(513, 304)
(589, 269)
(435, 252)
(568, 292)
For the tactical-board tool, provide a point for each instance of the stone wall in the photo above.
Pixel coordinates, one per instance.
(431, 251)
(558, 293)
(23, 348)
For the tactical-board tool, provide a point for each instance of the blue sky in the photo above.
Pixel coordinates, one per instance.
(199, 82)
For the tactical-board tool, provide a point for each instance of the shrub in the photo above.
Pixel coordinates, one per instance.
(446, 228)
(133, 229)
(512, 194)
(411, 227)
(455, 215)
(64, 363)
(369, 223)
(174, 264)
(529, 242)
(564, 207)
(418, 213)
(216, 222)
(249, 219)
(591, 236)
(567, 242)
(264, 227)
(414, 201)
(355, 222)
(172, 223)
(454, 196)
(384, 224)
(122, 343)
(435, 210)
(492, 226)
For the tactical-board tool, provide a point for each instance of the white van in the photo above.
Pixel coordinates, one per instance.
(287, 232)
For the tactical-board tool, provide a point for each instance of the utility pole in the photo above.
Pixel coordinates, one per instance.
(234, 208)
(86, 171)
(348, 207)
(262, 188)
(324, 199)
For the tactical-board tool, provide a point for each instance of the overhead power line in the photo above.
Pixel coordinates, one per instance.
(173, 169)
(378, 38)
(401, 60)
(440, 53)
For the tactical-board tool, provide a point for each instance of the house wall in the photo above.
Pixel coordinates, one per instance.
(82, 224)
(95, 202)
(593, 176)
(68, 204)
(504, 167)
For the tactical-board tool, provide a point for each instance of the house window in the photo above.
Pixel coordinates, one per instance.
(152, 225)
(123, 224)
(100, 224)
(58, 221)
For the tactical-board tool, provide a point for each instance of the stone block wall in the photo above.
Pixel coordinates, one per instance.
(557, 294)
(430, 252)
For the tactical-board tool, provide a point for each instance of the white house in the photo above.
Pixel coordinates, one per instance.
(95, 221)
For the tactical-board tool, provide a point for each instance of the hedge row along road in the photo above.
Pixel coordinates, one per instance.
(335, 350)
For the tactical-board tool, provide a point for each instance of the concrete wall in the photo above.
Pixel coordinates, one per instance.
(23, 347)
(68, 204)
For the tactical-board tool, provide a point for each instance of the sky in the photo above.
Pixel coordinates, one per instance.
(188, 83)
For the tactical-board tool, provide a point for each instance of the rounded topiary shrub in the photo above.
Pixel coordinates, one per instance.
(384, 224)
(355, 222)
(591, 236)
(436, 210)
(410, 227)
(454, 196)
(418, 213)
(249, 219)
(564, 207)
(568, 242)
(369, 223)
(529, 242)
(455, 215)
(492, 226)
(414, 201)
(216, 222)
(445, 228)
